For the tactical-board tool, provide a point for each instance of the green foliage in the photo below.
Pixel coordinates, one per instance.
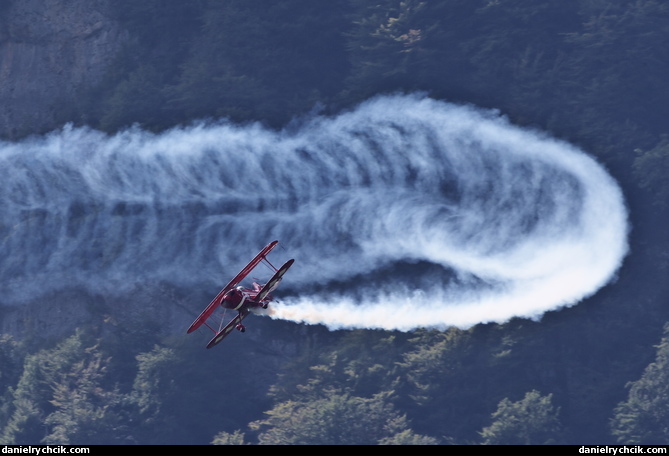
(514, 48)
(241, 59)
(384, 45)
(343, 398)
(359, 362)
(651, 168)
(530, 421)
(442, 384)
(82, 391)
(84, 412)
(61, 397)
(644, 417)
(9, 360)
(149, 380)
(226, 438)
(408, 437)
(621, 55)
(591, 71)
(178, 395)
(338, 419)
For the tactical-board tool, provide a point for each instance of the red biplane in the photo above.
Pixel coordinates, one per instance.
(243, 300)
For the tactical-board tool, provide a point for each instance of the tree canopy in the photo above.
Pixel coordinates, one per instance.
(589, 71)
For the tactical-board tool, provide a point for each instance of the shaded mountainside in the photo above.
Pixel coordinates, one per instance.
(82, 366)
(51, 52)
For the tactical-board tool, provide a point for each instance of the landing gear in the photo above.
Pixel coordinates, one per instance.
(240, 327)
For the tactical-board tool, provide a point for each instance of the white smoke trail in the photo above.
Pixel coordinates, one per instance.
(406, 212)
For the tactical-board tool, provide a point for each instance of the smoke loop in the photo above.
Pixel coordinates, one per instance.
(405, 212)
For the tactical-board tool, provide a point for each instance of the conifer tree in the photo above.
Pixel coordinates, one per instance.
(644, 417)
(531, 421)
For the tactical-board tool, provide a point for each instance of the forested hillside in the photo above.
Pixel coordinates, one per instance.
(591, 72)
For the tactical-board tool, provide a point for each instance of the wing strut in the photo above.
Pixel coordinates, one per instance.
(206, 313)
(228, 328)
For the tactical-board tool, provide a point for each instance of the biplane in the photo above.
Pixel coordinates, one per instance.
(240, 299)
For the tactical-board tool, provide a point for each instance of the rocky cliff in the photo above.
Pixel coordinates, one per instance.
(51, 51)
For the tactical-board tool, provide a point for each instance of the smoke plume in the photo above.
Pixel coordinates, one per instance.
(404, 212)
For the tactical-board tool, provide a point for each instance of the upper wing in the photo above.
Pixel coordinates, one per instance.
(229, 327)
(252, 264)
(274, 281)
(206, 313)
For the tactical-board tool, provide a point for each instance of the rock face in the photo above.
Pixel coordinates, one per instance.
(50, 51)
